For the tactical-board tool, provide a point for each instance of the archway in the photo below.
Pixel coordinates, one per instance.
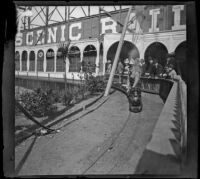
(17, 61)
(126, 48)
(24, 60)
(89, 57)
(60, 64)
(50, 60)
(32, 61)
(40, 61)
(74, 59)
(180, 56)
(157, 51)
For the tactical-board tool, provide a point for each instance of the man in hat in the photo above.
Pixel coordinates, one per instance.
(149, 71)
(143, 67)
(109, 66)
(157, 69)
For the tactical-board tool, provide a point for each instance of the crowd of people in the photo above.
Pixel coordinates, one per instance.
(147, 68)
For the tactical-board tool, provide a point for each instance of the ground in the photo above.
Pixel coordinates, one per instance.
(109, 140)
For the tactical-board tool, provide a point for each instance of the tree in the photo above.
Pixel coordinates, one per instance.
(64, 49)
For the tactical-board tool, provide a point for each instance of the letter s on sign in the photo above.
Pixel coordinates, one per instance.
(18, 40)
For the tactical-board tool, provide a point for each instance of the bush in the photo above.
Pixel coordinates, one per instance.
(39, 103)
(95, 84)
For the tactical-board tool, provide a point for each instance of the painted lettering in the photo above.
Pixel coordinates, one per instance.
(177, 17)
(154, 13)
(52, 34)
(62, 33)
(111, 27)
(78, 36)
(18, 39)
(29, 38)
(40, 38)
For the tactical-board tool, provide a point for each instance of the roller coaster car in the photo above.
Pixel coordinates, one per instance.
(135, 100)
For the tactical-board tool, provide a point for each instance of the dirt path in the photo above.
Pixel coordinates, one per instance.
(75, 148)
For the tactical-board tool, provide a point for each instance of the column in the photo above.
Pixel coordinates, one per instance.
(20, 61)
(28, 60)
(105, 50)
(45, 60)
(36, 60)
(97, 58)
(55, 58)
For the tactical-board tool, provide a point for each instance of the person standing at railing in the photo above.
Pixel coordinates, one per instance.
(135, 72)
(157, 69)
(170, 59)
(171, 73)
(120, 70)
(143, 67)
(120, 67)
(149, 71)
(109, 67)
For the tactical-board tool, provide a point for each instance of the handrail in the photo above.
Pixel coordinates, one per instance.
(182, 91)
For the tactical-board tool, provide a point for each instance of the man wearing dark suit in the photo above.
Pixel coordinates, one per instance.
(143, 67)
(149, 71)
(157, 69)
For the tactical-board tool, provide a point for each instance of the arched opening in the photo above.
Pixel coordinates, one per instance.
(60, 64)
(32, 61)
(180, 56)
(17, 61)
(50, 60)
(126, 48)
(156, 51)
(89, 57)
(40, 60)
(101, 58)
(24, 60)
(74, 59)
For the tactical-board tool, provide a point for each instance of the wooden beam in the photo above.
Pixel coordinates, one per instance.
(114, 66)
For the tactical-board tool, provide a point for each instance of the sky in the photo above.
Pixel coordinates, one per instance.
(59, 14)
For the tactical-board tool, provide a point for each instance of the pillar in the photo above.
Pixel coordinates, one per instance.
(36, 60)
(55, 58)
(28, 60)
(97, 58)
(20, 61)
(45, 60)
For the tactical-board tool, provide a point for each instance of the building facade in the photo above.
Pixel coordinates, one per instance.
(158, 30)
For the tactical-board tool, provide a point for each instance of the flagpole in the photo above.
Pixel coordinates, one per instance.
(114, 66)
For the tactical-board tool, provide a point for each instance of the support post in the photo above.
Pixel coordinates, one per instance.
(114, 66)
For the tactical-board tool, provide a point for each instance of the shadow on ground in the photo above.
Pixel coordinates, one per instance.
(153, 163)
(24, 158)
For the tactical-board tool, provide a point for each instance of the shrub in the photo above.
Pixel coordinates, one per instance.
(95, 84)
(38, 103)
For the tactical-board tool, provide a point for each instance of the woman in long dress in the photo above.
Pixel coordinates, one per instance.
(135, 70)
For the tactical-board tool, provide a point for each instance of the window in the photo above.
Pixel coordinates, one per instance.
(40, 60)
(17, 61)
(89, 58)
(24, 60)
(74, 59)
(32, 61)
(60, 64)
(50, 60)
